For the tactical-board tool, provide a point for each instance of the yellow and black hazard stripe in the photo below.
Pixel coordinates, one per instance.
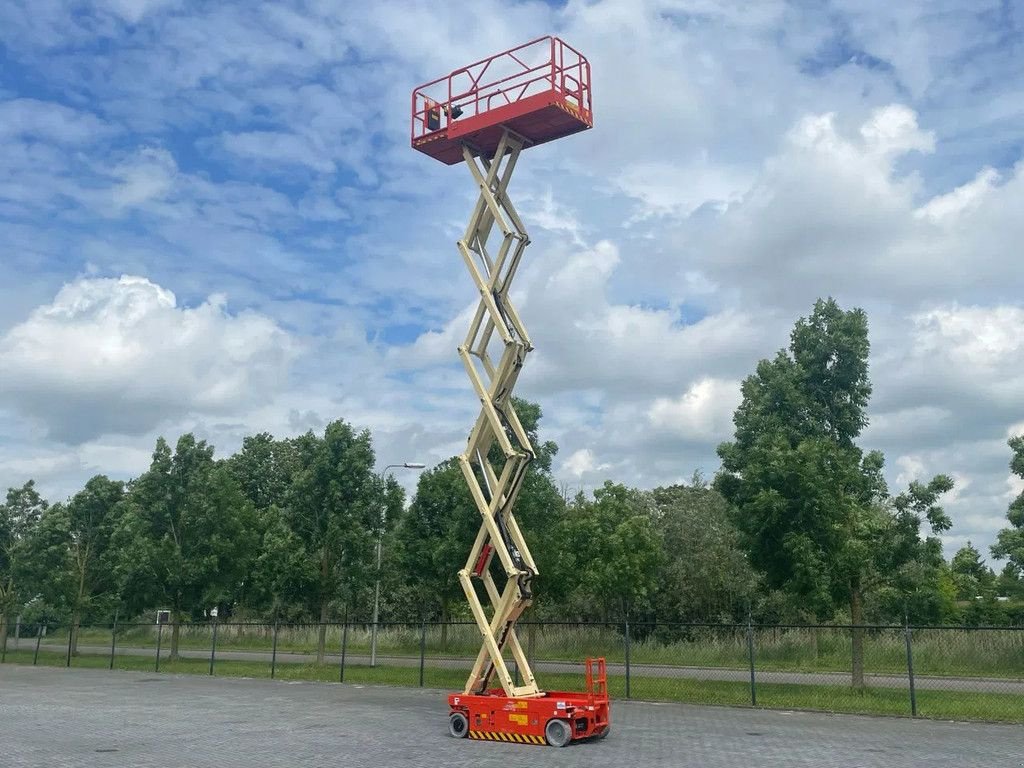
(514, 738)
(573, 110)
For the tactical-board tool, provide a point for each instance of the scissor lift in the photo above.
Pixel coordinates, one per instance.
(485, 115)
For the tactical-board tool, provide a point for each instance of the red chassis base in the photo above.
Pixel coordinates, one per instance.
(555, 718)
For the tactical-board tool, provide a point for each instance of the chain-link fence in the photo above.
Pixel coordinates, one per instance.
(942, 672)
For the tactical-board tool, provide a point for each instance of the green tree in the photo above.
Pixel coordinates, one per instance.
(45, 571)
(264, 469)
(1010, 582)
(186, 536)
(609, 553)
(71, 559)
(282, 572)
(908, 576)
(1010, 541)
(19, 516)
(432, 539)
(971, 576)
(705, 574)
(332, 515)
(813, 509)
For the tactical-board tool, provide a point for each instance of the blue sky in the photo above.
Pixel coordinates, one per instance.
(211, 220)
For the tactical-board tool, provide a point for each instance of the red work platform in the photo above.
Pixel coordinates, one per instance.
(540, 91)
(555, 717)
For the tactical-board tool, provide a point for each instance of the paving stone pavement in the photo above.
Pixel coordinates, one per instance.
(84, 718)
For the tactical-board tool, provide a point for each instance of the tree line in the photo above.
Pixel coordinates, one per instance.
(798, 525)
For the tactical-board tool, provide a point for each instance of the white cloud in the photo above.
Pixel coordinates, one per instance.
(702, 414)
(891, 426)
(582, 462)
(133, 11)
(548, 213)
(893, 130)
(119, 355)
(39, 466)
(149, 176)
(911, 468)
(977, 351)
(665, 188)
(974, 336)
(1015, 487)
(833, 214)
(948, 382)
(43, 121)
(963, 198)
(277, 148)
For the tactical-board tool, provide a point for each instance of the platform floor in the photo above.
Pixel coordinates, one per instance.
(84, 718)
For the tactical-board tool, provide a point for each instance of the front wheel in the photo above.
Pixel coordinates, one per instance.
(458, 725)
(558, 733)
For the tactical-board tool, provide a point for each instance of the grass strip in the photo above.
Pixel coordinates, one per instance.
(947, 705)
(945, 652)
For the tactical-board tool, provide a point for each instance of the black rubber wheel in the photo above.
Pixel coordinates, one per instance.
(458, 725)
(604, 733)
(558, 733)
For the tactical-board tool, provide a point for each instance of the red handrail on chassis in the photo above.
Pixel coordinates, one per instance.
(540, 90)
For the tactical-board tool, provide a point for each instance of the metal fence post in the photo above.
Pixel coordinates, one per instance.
(627, 657)
(750, 654)
(273, 655)
(113, 641)
(71, 634)
(213, 645)
(321, 646)
(159, 638)
(423, 648)
(910, 667)
(39, 639)
(344, 647)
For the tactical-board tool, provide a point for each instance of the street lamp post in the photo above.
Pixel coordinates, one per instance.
(380, 534)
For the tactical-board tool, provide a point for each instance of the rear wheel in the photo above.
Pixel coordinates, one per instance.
(558, 733)
(458, 725)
